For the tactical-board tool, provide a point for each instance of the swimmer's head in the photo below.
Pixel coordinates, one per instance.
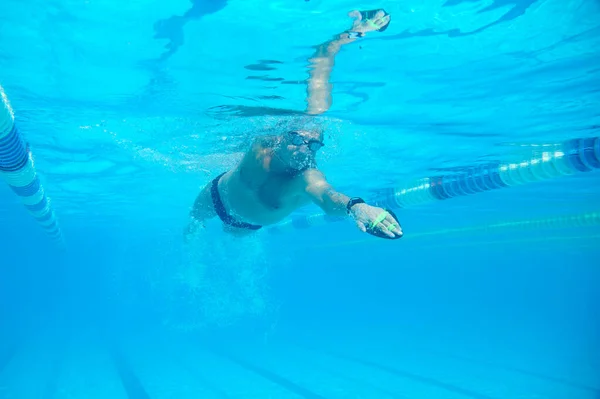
(297, 146)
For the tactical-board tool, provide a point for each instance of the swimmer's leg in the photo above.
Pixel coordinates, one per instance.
(202, 210)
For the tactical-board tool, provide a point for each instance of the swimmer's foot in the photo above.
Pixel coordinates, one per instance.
(369, 21)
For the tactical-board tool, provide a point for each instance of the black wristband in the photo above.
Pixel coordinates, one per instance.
(353, 201)
(354, 35)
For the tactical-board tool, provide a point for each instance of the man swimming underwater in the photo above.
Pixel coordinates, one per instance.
(279, 174)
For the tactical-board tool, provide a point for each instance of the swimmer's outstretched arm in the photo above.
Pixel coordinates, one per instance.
(322, 61)
(336, 203)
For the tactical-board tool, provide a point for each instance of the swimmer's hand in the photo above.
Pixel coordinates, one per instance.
(375, 219)
(362, 25)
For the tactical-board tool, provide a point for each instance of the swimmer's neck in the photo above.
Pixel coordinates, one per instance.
(263, 161)
(274, 165)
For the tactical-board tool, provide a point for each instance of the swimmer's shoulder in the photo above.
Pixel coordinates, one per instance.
(260, 147)
(263, 143)
(253, 159)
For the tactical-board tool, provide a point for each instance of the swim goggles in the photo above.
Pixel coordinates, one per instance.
(298, 140)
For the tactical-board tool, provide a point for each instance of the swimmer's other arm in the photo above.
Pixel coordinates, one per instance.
(321, 64)
(334, 203)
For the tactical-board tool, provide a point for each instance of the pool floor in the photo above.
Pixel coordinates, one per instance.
(157, 366)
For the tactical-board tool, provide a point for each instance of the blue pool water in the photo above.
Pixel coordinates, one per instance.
(129, 108)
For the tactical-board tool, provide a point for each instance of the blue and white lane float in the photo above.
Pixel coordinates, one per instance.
(17, 169)
(543, 162)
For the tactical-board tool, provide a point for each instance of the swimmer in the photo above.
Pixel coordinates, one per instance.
(279, 174)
